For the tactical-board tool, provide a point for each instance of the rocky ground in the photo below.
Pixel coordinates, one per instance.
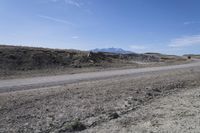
(154, 102)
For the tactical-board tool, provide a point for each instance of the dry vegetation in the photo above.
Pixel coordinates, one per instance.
(28, 58)
(29, 61)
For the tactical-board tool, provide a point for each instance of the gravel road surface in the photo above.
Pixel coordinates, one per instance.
(47, 81)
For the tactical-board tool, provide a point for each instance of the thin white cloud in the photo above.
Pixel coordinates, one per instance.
(191, 22)
(73, 3)
(137, 47)
(55, 19)
(185, 41)
(75, 37)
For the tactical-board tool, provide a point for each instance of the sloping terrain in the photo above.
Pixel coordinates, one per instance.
(29, 58)
(176, 113)
(16, 60)
(30, 61)
(120, 104)
(168, 58)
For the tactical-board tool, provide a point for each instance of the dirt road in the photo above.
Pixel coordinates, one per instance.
(30, 83)
(164, 99)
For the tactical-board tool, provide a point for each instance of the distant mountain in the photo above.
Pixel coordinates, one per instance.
(112, 50)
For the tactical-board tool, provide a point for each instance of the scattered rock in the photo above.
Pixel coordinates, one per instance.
(156, 90)
(113, 116)
(72, 127)
(149, 94)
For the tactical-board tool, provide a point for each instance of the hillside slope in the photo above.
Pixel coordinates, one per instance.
(29, 58)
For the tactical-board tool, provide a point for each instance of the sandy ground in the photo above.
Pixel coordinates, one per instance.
(160, 101)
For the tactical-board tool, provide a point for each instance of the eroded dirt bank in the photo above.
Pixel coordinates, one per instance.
(121, 104)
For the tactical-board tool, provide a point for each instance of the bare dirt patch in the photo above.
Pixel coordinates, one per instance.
(91, 105)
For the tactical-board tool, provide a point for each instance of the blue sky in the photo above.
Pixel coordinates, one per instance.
(166, 26)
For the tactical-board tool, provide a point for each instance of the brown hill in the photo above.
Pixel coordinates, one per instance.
(30, 58)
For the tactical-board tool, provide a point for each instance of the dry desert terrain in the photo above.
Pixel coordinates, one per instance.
(158, 99)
